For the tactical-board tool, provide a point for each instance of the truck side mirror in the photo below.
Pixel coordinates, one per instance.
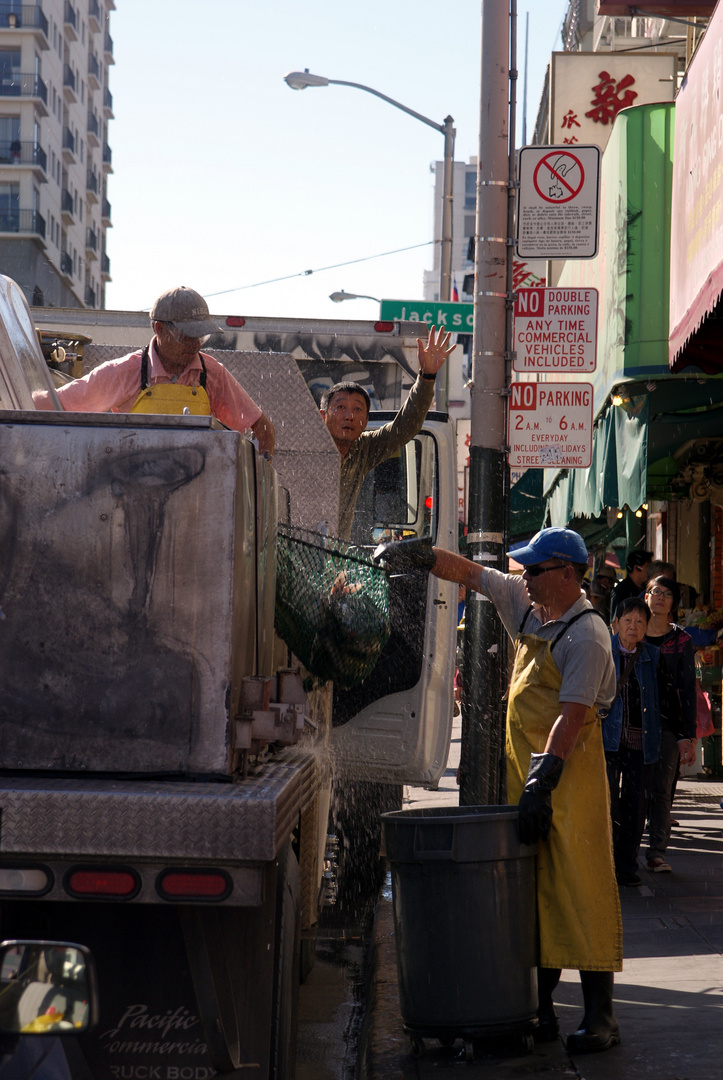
(47, 988)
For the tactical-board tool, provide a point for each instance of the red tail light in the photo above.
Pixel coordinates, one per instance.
(102, 882)
(194, 885)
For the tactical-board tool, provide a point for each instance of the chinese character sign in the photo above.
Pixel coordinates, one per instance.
(610, 97)
(588, 90)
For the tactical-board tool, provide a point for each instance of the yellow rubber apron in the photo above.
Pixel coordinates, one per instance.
(171, 398)
(577, 896)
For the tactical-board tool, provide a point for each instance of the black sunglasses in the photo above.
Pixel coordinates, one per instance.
(535, 571)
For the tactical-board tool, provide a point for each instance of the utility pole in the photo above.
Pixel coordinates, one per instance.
(484, 645)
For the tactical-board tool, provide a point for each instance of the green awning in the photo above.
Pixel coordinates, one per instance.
(618, 474)
(527, 506)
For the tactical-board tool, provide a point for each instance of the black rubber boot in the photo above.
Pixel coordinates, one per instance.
(548, 1027)
(599, 1029)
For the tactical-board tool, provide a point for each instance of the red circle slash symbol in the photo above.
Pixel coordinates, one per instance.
(558, 177)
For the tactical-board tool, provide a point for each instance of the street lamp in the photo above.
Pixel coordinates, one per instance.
(337, 297)
(299, 80)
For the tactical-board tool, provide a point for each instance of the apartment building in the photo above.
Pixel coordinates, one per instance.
(55, 106)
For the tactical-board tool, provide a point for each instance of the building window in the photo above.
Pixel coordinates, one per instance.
(9, 71)
(470, 191)
(469, 224)
(9, 207)
(10, 148)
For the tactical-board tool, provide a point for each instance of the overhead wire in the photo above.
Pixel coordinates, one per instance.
(321, 269)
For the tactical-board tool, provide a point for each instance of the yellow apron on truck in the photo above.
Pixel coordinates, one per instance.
(577, 896)
(171, 398)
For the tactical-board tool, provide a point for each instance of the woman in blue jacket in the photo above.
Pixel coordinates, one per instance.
(631, 734)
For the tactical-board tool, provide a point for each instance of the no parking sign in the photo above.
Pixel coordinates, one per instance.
(558, 208)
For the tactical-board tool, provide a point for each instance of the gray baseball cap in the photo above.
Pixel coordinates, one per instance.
(187, 310)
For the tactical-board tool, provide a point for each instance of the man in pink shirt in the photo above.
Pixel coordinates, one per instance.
(172, 374)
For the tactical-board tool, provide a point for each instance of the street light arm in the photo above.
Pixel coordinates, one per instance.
(397, 104)
(337, 297)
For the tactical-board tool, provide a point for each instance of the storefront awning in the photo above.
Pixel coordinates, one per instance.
(618, 473)
(527, 506)
(682, 8)
(696, 248)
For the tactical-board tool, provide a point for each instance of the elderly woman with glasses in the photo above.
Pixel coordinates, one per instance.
(676, 678)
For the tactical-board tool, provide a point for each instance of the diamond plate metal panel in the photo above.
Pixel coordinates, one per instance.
(245, 822)
(306, 458)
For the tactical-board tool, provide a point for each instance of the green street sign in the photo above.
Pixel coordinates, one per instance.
(457, 317)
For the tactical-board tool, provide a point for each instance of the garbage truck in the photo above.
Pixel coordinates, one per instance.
(166, 768)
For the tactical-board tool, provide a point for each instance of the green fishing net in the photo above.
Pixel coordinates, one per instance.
(332, 605)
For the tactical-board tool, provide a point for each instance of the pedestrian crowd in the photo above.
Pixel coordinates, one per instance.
(650, 729)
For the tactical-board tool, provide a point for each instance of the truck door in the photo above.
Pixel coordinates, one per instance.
(395, 727)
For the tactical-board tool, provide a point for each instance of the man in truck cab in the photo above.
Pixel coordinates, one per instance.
(171, 374)
(345, 409)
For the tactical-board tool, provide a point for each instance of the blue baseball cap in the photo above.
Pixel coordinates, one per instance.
(551, 544)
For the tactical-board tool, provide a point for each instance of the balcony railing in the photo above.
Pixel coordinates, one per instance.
(105, 209)
(91, 239)
(28, 16)
(105, 264)
(93, 65)
(108, 45)
(94, 10)
(22, 221)
(90, 296)
(68, 140)
(69, 16)
(93, 123)
(107, 99)
(66, 263)
(91, 181)
(66, 201)
(107, 154)
(14, 152)
(18, 84)
(69, 77)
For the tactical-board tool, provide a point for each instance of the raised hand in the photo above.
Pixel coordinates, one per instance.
(432, 355)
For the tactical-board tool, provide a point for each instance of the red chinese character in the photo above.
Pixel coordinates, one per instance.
(523, 277)
(572, 139)
(570, 119)
(610, 98)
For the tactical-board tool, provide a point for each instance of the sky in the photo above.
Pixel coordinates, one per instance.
(224, 178)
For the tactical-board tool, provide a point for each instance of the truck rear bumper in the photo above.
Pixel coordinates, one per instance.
(245, 822)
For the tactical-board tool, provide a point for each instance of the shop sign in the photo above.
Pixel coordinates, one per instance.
(696, 243)
(588, 90)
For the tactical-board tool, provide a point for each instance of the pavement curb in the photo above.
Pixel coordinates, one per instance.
(384, 1050)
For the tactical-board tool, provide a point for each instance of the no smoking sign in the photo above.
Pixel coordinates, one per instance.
(558, 208)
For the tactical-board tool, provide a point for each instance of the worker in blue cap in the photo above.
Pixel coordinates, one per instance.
(563, 675)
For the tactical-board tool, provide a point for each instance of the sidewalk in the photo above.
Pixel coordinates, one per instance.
(668, 998)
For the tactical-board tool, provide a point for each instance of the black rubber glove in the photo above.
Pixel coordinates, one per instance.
(407, 556)
(535, 805)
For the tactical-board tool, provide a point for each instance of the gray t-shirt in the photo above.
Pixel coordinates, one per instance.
(583, 655)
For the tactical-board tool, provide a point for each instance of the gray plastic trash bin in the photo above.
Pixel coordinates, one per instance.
(465, 918)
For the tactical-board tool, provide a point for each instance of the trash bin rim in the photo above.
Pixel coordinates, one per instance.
(459, 815)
